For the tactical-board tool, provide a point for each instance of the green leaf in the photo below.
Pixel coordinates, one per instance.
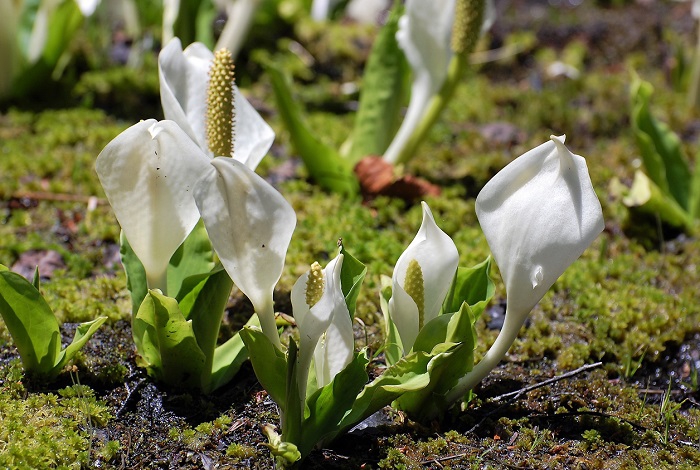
(293, 410)
(182, 361)
(31, 323)
(647, 197)
(185, 25)
(383, 93)
(694, 198)
(393, 347)
(143, 329)
(448, 328)
(229, 357)
(204, 307)
(351, 276)
(328, 405)
(325, 165)
(660, 147)
(135, 274)
(408, 374)
(64, 20)
(269, 363)
(83, 333)
(452, 359)
(36, 279)
(194, 256)
(473, 286)
(449, 363)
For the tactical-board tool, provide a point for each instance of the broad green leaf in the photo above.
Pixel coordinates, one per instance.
(269, 363)
(648, 197)
(204, 307)
(452, 359)
(694, 198)
(83, 333)
(351, 276)
(393, 348)
(473, 286)
(182, 360)
(43, 58)
(229, 357)
(135, 274)
(194, 256)
(660, 147)
(408, 374)
(325, 165)
(384, 90)
(329, 404)
(449, 363)
(293, 410)
(31, 323)
(185, 25)
(143, 329)
(448, 328)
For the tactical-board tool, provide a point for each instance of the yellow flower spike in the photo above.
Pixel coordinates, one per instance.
(314, 285)
(221, 109)
(466, 29)
(414, 286)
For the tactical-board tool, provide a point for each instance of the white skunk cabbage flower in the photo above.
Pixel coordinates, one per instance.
(184, 76)
(148, 173)
(250, 226)
(422, 276)
(424, 35)
(538, 215)
(325, 327)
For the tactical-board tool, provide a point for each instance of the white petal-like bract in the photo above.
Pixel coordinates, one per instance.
(184, 76)
(438, 259)
(148, 173)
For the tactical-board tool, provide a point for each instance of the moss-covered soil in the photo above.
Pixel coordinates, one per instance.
(630, 302)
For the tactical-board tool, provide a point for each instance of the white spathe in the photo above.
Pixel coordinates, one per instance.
(438, 258)
(424, 35)
(325, 329)
(148, 173)
(250, 225)
(184, 76)
(538, 215)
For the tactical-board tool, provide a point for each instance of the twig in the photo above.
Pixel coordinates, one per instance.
(600, 414)
(59, 197)
(516, 394)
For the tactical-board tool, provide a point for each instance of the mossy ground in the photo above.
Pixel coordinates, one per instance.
(631, 300)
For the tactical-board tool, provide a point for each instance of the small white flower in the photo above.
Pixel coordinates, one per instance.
(430, 260)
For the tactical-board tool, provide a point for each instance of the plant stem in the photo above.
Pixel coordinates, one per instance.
(266, 314)
(158, 281)
(458, 66)
(509, 332)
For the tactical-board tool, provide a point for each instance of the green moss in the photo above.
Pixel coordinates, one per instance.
(240, 452)
(43, 430)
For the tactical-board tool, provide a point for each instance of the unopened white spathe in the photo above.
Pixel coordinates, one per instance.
(438, 258)
(184, 76)
(325, 329)
(538, 215)
(148, 173)
(250, 225)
